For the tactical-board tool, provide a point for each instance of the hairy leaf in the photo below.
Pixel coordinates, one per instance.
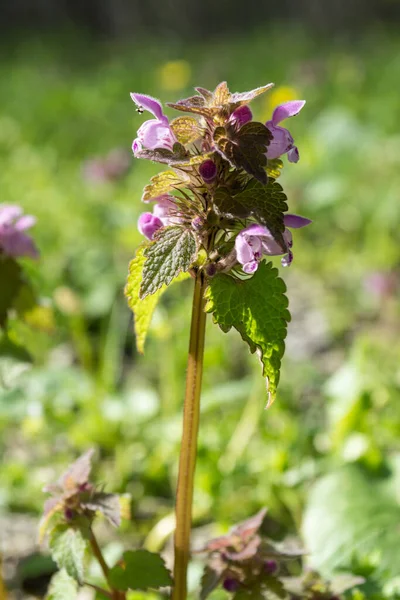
(186, 129)
(266, 203)
(11, 281)
(106, 504)
(350, 514)
(221, 95)
(162, 183)
(164, 156)
(245, 97)
(207, 95)
(140, 570)
(257, 309)
(246, 148)
(143, 308)
(194, 104)
(68, 548)
(172, 252)
(62, 587)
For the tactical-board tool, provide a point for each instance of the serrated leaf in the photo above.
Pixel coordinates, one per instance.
(140, 570)
(162, 183)
(221, 95)
(172, 252)
(274, 167)
(257, 309)
(68, 548)
(11, 280)
(209, 581)
(207, 95)
(186, 129)
(266, 203)
(163, 155)
(245, 148)
(245, 97)
(106, 504)
(194, 104)
(62, 587)
(143, 308)
(351, 514)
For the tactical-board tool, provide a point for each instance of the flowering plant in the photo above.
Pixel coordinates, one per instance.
(218, 210)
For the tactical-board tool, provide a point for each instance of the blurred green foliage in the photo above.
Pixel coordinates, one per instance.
(83, 384)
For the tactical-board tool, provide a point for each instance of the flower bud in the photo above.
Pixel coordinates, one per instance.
(270, 566)
(241, 116)
(197, 223)
(230, 584)
(211, 269)
(148, 224)
(208, 171)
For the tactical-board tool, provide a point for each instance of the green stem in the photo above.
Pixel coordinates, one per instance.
(115, 594)
(187, 459)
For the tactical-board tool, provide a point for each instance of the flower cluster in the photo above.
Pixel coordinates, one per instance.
(74, 496)
(221, 183)
(14, 241)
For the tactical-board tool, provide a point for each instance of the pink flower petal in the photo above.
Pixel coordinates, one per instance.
(286, 110)
(149, 103)
(295, 221)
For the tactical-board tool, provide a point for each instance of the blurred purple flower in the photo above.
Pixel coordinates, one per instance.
(13, 239)
(282, 141)
(256, 240)
(154, 133)
(109, 168)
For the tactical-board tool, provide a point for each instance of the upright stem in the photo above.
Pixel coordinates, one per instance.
(187, 459)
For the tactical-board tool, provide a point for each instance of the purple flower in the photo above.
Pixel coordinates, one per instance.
(155, 133)
(148, 224)
(282, 141)
(164, 213)
(13, 239)
(241, 116)
(256, 240)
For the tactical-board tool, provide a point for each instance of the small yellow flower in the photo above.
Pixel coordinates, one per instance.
(278, 96)
(174, 75)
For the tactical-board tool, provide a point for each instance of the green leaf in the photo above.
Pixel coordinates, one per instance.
(221, 95)
(266, 203)
(10, 284)
(186, 129)
(246, 148)
(143, 308)
(257, 309)
(162, 183)
(62, 587)
(209, 581)
(68, 548)
(141, 570)
(350, 514)
(172, 251)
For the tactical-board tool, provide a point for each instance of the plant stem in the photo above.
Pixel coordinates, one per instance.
(115, 594)
(187, 459)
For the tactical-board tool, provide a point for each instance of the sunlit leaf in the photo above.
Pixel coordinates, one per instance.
(62, 587)
(140, 570)
(171, 253)
(162, 183)
(143, 308)
(68, 548)
(257, 309)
